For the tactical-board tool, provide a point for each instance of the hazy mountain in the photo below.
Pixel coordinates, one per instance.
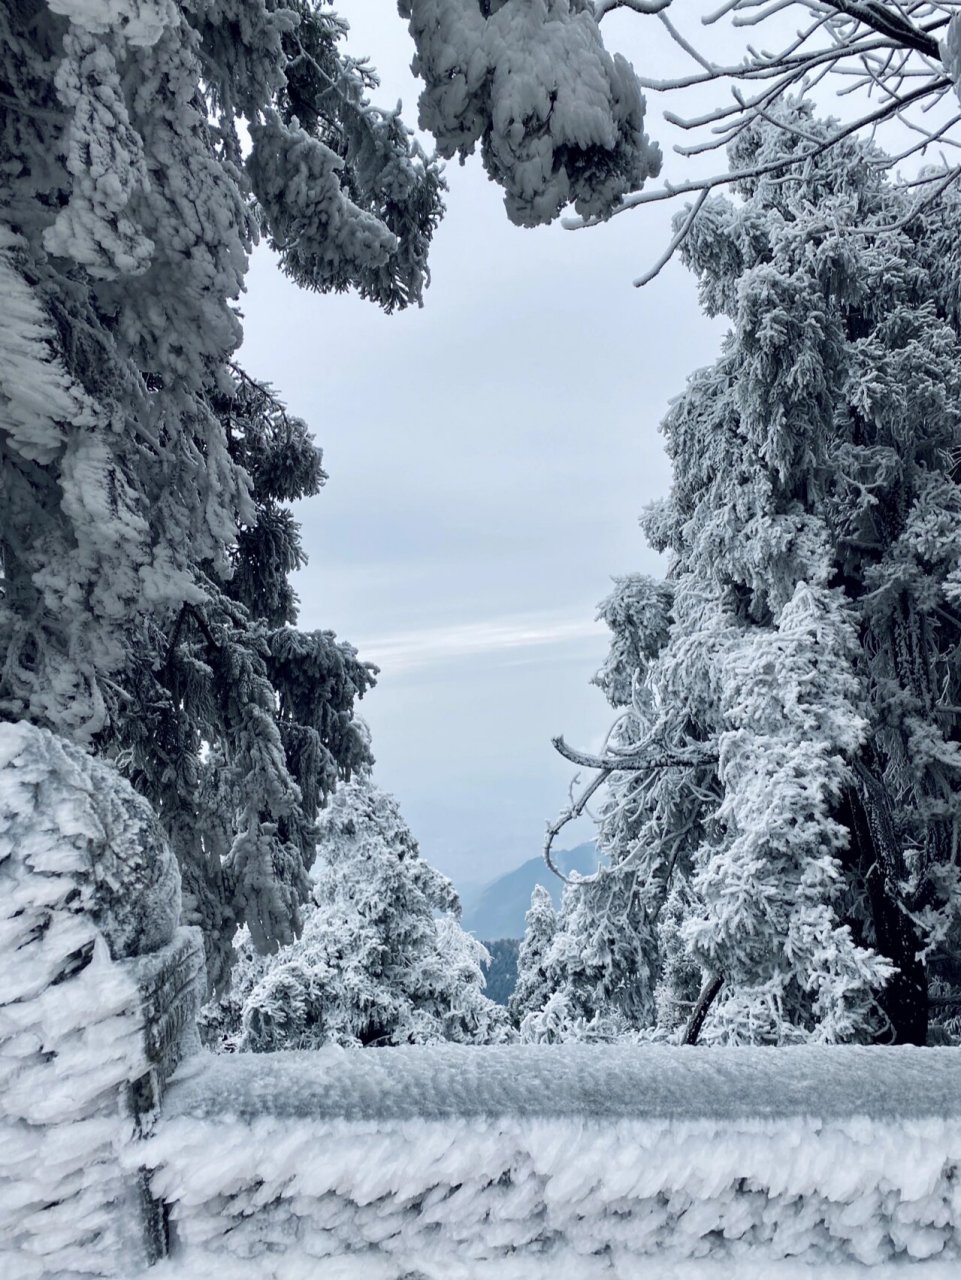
(498, 910)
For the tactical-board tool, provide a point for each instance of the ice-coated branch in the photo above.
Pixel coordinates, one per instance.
(603, 7)
(658, 758)
(680, 236)
(908, 55)
(643, 762)
(572, 812)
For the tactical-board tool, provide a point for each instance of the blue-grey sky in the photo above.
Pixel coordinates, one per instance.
(488, 455)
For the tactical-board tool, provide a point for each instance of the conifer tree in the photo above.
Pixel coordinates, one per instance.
(785, 777)
(146, 542)
(533, 986)
(382, 958)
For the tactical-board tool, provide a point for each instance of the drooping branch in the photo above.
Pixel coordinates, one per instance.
(570, 814)
(641, 761)
(636, 761)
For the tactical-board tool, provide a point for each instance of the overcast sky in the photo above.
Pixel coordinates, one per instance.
(488, 457)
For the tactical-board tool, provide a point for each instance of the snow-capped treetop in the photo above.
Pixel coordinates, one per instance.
(532, 988)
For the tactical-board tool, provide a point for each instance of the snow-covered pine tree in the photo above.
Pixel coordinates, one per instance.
(145, 545)
(382, 958)
(247, 715)
(782, 816)
(533, 987)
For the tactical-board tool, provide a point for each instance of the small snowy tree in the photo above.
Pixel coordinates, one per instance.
(788, 759)
(533, 988)
(382, 958)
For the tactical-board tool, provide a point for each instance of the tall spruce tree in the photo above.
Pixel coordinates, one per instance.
(532, 988)
(781, 822)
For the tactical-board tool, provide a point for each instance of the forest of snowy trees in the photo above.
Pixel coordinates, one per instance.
(777, 802)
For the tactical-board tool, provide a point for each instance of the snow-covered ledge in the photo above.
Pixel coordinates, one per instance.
(567, 1161)
(97, 1006)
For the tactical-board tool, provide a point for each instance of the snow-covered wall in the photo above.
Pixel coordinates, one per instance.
(461, 1161)
(97, 1005)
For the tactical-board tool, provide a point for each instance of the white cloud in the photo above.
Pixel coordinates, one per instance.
(408, 650)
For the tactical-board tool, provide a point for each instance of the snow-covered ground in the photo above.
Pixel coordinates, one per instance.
(569, 1161)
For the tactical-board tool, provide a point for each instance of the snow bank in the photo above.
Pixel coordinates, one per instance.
(99, 990)
(434, 1161)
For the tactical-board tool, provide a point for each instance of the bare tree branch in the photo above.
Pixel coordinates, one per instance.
(886, 49)
(704, 1001)
(574, 810)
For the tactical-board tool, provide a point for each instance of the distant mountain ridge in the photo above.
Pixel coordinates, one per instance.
(498, 910)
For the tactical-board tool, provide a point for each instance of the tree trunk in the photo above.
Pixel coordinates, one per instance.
(875, 852)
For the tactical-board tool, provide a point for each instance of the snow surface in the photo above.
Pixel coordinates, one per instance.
(603, 1081)
(420, 1161)
(556, 1266)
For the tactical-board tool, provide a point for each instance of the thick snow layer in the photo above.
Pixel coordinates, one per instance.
(424, 1160)
(558, 1265)
(85, 1036)
(601, 1081)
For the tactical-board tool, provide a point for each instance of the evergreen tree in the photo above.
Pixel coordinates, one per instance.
(382, 959)
(532, 990)
(145, 548)
(782, 813)
(500, 975)
(243, 731)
